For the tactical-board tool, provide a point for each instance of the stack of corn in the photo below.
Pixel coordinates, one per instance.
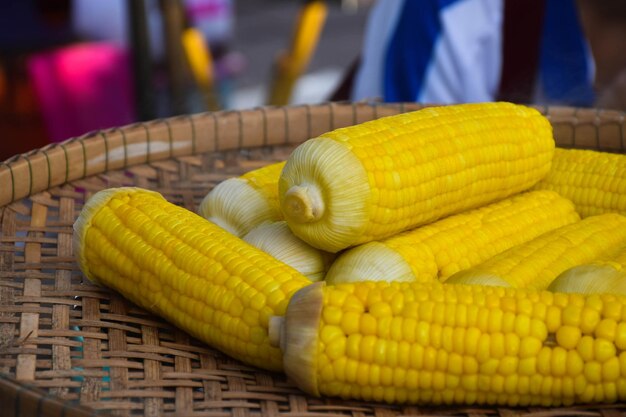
(441, 194)
(456, 243)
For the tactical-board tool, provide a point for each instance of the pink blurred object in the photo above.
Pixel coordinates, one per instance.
(83, 87)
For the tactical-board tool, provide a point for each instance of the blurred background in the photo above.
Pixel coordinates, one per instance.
(68, 67)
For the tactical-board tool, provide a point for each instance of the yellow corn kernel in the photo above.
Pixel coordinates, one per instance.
(277, 240)
(240, 204)
(462, 241)
(595, 181)
(538, 262)
(603, 350)
(373, 180)
(201, 278)
(568, 336)
(556, 368)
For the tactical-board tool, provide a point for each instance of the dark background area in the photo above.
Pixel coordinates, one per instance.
(262, 28)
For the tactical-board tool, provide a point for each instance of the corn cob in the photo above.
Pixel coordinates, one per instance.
(595, 181)
(370, 181)
(278, 241)
(458, 242)
(432, 343)
(607, 275)
(537, 263)
(240, 204)
(185, 269)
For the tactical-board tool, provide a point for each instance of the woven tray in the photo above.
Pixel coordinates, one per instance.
(69, 348)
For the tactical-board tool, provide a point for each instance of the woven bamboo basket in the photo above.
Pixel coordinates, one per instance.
(69, 348)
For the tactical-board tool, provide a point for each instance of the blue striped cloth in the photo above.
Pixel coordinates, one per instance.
(450, 51)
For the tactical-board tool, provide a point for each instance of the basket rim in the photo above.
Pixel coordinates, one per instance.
(98, 151)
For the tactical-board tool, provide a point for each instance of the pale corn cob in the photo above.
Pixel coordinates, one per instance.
(276, 239)
(537, 263)
(185, 269)
(370, 181)
(240, 204)
(458, 242)
(607, 275)
(595, 181)
(432, 343)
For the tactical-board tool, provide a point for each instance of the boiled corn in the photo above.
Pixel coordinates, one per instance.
(240, 204)
(537, 263)
(277, 240)
(607, 275)
(185, 269)
(595, 181)
(432, 343)
(458, 242)
(370, 181)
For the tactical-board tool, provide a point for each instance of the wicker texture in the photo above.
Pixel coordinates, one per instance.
(69, 348)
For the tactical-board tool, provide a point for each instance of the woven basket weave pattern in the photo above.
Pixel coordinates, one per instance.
(69, 348)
